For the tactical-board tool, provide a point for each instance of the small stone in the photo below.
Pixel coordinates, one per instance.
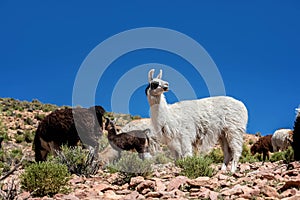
(111, 195)
(144, 185)
(176, 182)
(200, 181)
(159, 186)
(269, 191)
(134, 181)
(132, 196)
(153, 195)
(223, 177)
(24, 195)
(288, 193)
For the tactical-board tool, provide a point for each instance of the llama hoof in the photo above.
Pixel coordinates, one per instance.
(223, 168)
(147, 156)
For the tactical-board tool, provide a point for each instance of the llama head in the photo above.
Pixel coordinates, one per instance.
(298, 111)
(156, 86)
(253, 149)
(109, 124)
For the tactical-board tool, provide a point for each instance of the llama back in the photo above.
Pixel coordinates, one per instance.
(280, 139)
(143, 124)
(214, 116)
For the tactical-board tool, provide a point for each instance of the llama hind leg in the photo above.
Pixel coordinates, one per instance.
(235, 141)
(227, 153)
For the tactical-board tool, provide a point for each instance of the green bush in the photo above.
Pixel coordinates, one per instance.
(287, 156)
(9, 158)
(103, 143)
(45, 178)
(196, 166)
(39, 116)
(29, 136)
(130, 165)
(78, 161)
(216, 155)
(161, 158)
(247, 156)
(19, 138)
(3, 131)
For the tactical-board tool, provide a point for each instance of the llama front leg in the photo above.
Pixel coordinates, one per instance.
(186, 148)
(175, 148)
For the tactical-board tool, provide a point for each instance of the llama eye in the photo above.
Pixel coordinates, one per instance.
(154, 85)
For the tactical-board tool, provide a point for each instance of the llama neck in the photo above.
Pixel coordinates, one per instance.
(159, 110)
(111, 132)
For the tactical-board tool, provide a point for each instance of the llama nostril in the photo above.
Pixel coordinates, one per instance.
(165, 88)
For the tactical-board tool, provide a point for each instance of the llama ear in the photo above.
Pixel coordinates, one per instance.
(147, 131)
(159, 76)
(150, 75)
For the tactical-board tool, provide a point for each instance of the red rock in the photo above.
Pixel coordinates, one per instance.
(288, 193)
(153, 195)
(244, 167)
(290, 184)
(200, 181)
(103, 187)
(293, 165)
(268, 175)
(147, 184)
(203, 193)
(132, 196)
(176, 182)
(111, 195)
(66, 197)
(236, 190)
(223, 177)
(269, 191)
(24, 195)
(123, 192)
(296, 197)
(134, 181)
(213, 195)
(159, 186)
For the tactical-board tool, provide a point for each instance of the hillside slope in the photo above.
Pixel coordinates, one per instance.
(18, 123)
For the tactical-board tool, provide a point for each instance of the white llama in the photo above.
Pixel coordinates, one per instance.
(282, 139)
(197, 124)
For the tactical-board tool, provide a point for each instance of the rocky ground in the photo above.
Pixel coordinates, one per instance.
(251, 181)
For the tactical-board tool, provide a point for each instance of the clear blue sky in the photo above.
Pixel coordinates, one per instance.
(256, 47)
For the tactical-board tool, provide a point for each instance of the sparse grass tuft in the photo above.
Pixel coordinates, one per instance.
(45, 178)
(78, 161)
(247, 156)
(216, 155)
(287, 156)
(196, 166)
(130, 165)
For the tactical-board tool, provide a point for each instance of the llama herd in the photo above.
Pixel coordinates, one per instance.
(184, 127)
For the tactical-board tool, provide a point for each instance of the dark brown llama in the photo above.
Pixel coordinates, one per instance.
(296, 136)
(68, 127)
(132, 140)
(263, 145)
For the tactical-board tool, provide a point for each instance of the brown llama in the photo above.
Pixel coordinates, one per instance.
(132, 140)
(263, 145)
(68, 127)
